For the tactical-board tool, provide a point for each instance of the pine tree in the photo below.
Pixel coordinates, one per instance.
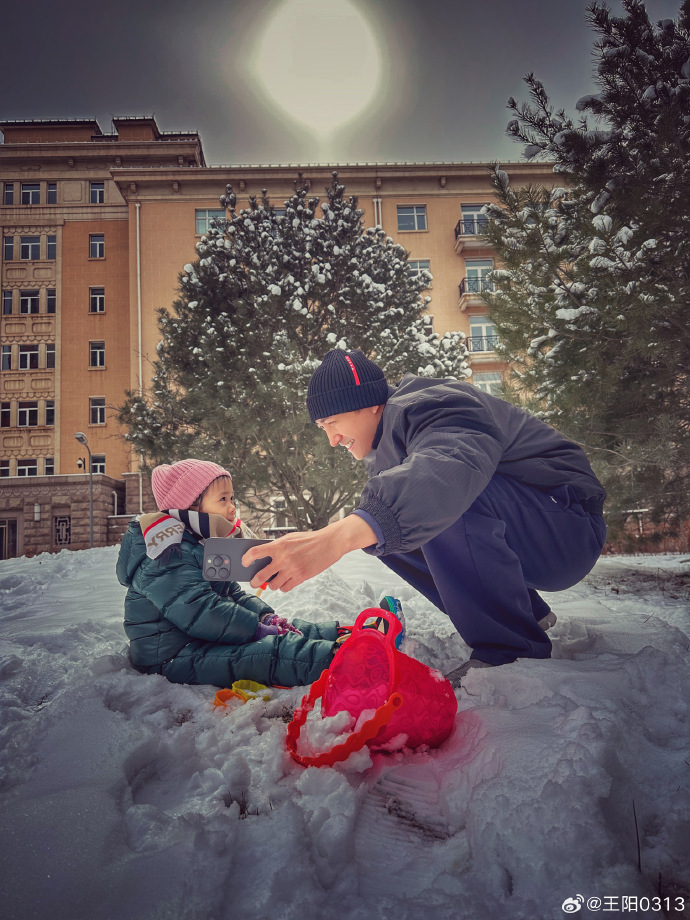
(591, 304)
(272, 291)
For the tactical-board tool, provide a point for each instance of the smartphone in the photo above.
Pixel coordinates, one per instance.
(223, 559)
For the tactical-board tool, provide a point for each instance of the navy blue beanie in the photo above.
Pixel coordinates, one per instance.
(345, 381)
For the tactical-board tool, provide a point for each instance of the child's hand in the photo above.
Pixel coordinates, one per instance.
(286, 627)
(263, 630)
(281, 624)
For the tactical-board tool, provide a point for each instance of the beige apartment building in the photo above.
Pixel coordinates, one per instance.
(95, 230)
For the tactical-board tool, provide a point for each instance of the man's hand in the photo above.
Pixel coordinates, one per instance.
(297, 557)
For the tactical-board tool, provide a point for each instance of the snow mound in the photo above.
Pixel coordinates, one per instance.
(123, 796)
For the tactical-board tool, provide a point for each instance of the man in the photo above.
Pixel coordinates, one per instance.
(473, 501)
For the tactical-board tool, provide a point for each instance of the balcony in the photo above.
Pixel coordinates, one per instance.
(469, 233)
(482, 343)
(471, 290)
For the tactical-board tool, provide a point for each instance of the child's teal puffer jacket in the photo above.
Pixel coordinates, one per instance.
(198, 632)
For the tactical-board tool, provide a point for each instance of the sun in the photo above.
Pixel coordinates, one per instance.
(319, 61)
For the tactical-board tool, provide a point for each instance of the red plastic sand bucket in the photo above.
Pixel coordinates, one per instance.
(413, 705)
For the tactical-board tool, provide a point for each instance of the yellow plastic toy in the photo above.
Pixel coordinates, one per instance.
(242, 690)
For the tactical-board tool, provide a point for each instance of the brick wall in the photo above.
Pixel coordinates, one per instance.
(51, 513)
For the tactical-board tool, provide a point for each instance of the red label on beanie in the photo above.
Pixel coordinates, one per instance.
(353, 369)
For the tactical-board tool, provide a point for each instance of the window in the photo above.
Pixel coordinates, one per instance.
(96, 300)
(50, 356)
(97, 410)
(6, 303)
(51, 252)
(31, 193)
(417, 266)
(8, 528)
(50, 412)
(96, 246)
(28, 357)
(8, 248)
(28, 301)
(412, 217)
(7, 357)
(62, 530)
(205, 216)
(477, 271)
(52, 193)
(30, 247)
(9, 193)
(489, 382)
(27, 467)
(276, 229)
(4, 471)
(473, 222)
(5, 414)
(428, 329)
(280, 519)
(27, 414)
(97, 192)
(49, 466)
(51, 300)
(96, 354)
(483, 336)
(98, 463)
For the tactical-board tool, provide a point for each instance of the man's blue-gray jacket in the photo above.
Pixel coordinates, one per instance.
(439, 443)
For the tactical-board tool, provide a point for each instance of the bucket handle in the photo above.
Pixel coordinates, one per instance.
(356, 740)
(388, 639)
(394, 624)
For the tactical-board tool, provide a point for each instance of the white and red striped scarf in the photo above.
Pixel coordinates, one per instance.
(163, 529)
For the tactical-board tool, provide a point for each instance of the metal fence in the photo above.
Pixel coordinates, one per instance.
(482, 342)
(475, 286)
(471, 226)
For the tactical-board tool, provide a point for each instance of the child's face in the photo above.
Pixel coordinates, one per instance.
(220, 500)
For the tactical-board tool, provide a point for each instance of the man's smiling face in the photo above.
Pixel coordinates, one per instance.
(355, 431)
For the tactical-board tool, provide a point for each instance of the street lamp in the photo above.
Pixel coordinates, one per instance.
(81, 437)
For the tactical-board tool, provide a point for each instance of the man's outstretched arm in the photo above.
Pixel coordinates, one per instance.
(297, 557)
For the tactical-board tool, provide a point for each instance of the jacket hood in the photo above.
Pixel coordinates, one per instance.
(132, 553)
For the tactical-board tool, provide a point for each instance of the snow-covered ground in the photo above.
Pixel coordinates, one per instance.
(124, 797)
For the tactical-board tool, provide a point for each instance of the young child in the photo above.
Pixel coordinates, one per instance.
(198, 632)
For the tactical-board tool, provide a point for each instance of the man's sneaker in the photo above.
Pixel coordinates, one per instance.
(392, 605)
(548, 621)
(455, 677)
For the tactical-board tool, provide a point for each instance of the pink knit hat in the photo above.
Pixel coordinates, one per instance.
(180, 484)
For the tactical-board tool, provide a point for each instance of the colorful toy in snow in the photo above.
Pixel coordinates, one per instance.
(411, 704)
(242, 690)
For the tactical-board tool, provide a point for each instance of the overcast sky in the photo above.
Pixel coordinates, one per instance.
(447, 69)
